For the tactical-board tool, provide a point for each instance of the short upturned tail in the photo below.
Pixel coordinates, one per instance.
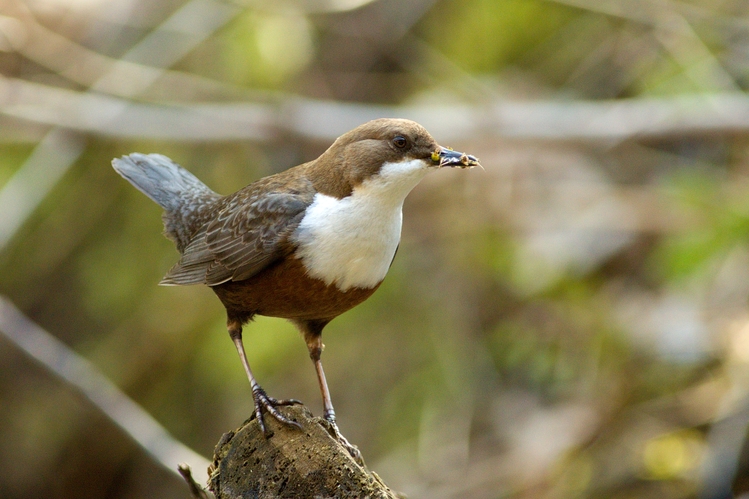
(184, 198)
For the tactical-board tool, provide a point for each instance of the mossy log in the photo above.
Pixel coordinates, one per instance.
(291, 463)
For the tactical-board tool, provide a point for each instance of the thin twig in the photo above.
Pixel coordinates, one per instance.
(196, 491)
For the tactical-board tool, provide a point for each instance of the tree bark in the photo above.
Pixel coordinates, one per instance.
(291, 463)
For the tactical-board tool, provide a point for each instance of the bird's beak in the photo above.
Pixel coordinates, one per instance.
(444, 156)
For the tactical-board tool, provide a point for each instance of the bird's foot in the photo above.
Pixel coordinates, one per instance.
(353, 450)
(264, 403)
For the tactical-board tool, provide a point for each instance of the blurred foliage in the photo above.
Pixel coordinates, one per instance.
(720, 209)
(504, 30)
(571, 322)
(264, 50)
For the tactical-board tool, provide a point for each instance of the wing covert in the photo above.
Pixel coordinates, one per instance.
(250, 232)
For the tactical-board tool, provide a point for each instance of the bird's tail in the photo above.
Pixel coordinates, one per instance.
(183, 197)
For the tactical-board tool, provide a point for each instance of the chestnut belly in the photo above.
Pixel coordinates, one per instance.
(285, 290)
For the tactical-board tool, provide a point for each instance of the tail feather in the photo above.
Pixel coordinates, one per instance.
(161, 179)
(182, 195)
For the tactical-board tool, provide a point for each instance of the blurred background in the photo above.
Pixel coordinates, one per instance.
(571, 321)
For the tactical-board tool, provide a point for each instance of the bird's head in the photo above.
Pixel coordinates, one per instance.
(394, 153)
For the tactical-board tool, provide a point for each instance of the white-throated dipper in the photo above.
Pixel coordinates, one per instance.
(306, 244)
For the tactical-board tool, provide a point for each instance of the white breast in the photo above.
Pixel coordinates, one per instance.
(351, 242)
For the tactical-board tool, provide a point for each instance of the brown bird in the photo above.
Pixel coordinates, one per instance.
(306, 244)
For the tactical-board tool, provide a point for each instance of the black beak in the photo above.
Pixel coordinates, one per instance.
(445, 156)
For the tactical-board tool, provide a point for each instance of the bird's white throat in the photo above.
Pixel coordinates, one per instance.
(351, 242)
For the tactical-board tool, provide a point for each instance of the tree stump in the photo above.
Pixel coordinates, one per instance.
(291, 463)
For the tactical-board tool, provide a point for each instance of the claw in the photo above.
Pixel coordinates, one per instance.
(336, 433)
(264, 403)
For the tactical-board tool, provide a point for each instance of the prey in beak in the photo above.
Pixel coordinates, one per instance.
(444, 156)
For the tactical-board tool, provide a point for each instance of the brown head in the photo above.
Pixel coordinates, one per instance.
(361, 153)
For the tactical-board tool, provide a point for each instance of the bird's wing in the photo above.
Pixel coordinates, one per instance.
(250, 232)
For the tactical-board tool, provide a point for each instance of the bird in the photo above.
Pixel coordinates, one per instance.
(306, 244)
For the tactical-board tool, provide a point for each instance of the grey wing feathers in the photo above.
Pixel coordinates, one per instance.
(248, 235)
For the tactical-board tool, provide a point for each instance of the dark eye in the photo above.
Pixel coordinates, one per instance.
(400, 142)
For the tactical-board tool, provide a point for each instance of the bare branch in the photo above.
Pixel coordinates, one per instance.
(615, 120)
(193, 22)
(61, 360)
(89, 68)
(29, 186)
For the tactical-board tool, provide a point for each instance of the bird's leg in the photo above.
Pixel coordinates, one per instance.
(313, 337)
(315, 352)
(263, 403)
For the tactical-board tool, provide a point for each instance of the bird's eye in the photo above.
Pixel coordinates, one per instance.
(400, 142)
